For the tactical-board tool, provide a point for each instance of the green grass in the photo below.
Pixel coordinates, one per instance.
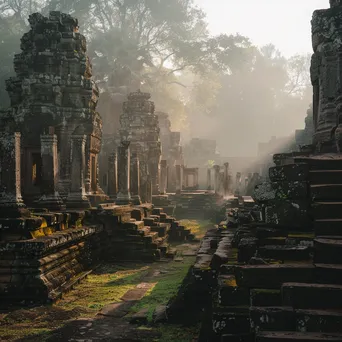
(199, 228)
(107, 285)
(166, 286)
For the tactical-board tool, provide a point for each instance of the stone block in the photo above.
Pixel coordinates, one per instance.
(234, 321)
(296, 336)
(326, 210)
(289, 214)
(321, 321)
(237, 338)
(286, 253)
(326, 192)
(247, 249)
(229, 294)
(312, 296)
(328, 227)
(328, 251)
(328, 274)
(272, 319)
(325, 177)
(273, 276)
(291, 172)
(265, 298)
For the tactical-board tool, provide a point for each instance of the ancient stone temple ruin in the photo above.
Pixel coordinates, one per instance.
(139, 122)
(278, 269)
(56, 223)
(172, 154)
(53, 105)
(326, 78)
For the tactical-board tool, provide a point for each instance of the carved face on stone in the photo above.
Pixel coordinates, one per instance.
(335, 3)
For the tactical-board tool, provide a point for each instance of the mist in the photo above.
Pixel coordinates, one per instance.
(239, 89)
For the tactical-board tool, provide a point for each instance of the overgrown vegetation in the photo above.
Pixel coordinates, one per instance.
(107, 285)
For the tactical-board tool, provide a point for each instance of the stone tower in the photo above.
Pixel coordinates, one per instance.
(53, 91)
(140, 122)
(326, 76)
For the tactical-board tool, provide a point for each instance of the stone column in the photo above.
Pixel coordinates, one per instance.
(238, 183)
(226, 179)
(163, 177)
(209, 179)
(135, 179)
(179, 179)
(77, 198)
(149, 189)
(217, 178)
(113, 176)
(11, 202)
(50, 197)
(124, 195)
(64, 137)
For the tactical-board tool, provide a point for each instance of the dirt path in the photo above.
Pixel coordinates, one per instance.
(103, 307)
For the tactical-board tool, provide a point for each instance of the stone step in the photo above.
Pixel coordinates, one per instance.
(328, 251)
(291, 172)
(237, 338)
(272, 319)
(144, 231)
(285, 253)
(328, 273)
(265, 297)
(326, 192)
(234, 321)
(133, 224)
(151, 237)
(297, 336)
(321, 321)
(273, 276)
(229, 294)
(312, 296)
(325, 177)
(328, 227)
(326, 210)
(329, 162)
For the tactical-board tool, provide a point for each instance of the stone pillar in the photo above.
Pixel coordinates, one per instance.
(50, 197)
(217, 178)
(11, 202)
(209, 187)
(113, 176)
(179, 179)
(64, 180)
(226, 179)
(163, 177)
(77, 198)
(135, 179)
(124, 160)
(149, 189)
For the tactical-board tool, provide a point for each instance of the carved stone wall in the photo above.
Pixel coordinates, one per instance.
(140, 122)
(53, 87)
(326, 77)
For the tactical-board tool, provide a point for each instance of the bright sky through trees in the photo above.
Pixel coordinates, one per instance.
(285, 23)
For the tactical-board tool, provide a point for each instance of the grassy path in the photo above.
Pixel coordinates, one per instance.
(105, 286)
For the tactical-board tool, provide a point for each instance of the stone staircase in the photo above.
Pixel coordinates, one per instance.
(285, 280)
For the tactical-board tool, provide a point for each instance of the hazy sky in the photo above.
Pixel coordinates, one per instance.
(285, 23)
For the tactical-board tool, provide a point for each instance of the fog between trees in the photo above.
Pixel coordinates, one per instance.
(221, 87)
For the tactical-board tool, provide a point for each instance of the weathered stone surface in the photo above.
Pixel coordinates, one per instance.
(291, 172)
(312, 296)
(296, 336)
(272, 276)
(272, 319)
(318, 321)
(265, 297)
